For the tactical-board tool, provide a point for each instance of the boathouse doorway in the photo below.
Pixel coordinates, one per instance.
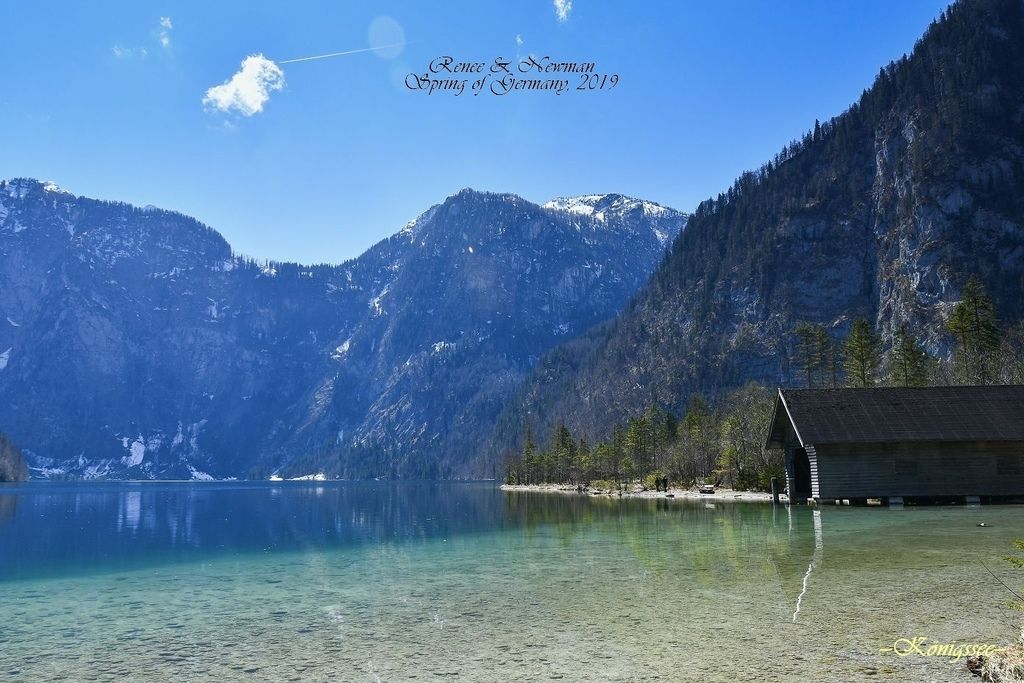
(801, 475)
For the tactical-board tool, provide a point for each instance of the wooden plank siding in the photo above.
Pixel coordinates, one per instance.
(812, 457)
(917, 469)
(910, 442)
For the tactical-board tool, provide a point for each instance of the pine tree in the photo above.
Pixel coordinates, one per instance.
(661, 429)
(817, 355)
(636, 444)
(697, 430)
(909, 363)
(530, 458)
(831, 357)
(862, 352)
(1011, 355)
(808, 351)
(564, 453)
(974, 325)
(585, 461)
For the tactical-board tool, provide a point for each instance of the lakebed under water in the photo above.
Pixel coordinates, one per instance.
(396, 581)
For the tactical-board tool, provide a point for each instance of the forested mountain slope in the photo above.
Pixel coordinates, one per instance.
(883, 212)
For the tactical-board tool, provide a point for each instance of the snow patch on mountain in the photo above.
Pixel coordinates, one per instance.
(413, 227)
(375, 302)
(601, 206)
(50, 186)
(342, 349)
(198, 475)
(319, 476)
(47, 472)
(179, 437)
(136, 451)
(213, 310)
(616, 210)
(442, 346)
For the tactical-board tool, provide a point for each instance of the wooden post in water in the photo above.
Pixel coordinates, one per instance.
(775, 491)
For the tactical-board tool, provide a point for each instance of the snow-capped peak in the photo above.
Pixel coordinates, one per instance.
(50, 186)
(600, 206)
(620, 210)
(412, 227)
(17, 188)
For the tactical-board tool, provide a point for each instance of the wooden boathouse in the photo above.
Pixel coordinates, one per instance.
(931, 444)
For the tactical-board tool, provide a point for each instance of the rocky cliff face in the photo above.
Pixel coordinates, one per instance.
(883, 212)
(133, 343)
(12, 463)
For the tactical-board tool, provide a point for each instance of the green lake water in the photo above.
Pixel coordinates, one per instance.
(373, 581)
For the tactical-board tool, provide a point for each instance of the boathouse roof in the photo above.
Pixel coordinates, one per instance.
(886, 415)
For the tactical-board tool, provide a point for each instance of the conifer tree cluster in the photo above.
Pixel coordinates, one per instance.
(984, 352)
(712, 444)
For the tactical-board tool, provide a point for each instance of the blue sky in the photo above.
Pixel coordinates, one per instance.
(106, 99)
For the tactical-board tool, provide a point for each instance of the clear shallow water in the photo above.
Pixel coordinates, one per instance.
(380, 581)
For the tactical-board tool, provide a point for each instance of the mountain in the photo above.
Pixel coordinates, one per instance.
(134, 343)
(883, 212)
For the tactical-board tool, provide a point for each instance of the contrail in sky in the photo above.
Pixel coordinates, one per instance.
(339, 54)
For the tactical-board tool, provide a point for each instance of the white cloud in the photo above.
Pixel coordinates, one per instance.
(562, 9)
(164, 34)
(519, 40)
(249, 89)
(122, 52)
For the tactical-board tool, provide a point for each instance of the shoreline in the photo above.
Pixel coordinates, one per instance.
(720, 495)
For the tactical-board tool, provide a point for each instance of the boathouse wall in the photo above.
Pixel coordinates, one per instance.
(918, 469)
